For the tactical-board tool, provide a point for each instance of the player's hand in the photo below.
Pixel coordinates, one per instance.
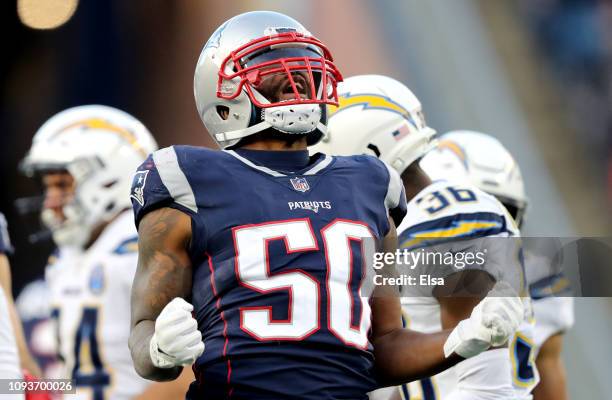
(492, 322)
(177, 340)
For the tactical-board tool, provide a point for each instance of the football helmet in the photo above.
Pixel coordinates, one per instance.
(100, 147)
(489, 166)
(380, 116)
(250, 49)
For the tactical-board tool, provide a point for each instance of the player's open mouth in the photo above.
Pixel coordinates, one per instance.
(288, 93)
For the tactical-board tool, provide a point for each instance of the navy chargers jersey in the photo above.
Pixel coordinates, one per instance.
(277, 267)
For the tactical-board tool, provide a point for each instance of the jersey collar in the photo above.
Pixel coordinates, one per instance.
(319, 165)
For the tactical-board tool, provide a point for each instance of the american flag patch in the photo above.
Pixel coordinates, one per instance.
(401, 132)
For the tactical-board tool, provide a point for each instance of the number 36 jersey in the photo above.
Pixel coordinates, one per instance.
(457, 217)
(277, 267)
(90, 303)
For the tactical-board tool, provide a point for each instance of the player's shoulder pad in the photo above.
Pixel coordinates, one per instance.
(161, 180)
(5, 241)
(375, 171)
(446, 211)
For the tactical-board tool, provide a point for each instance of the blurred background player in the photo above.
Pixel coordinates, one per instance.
(83, 157)
(276, 285)
(492, 168)
(15, 359)
(380, 116)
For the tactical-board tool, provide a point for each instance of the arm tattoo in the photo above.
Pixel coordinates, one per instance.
(163, 273)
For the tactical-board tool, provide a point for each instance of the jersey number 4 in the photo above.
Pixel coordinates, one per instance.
(88, 370)
(253, 271)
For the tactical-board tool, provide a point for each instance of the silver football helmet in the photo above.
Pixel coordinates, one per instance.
(100, 147)
(249, 50)
(380, 116)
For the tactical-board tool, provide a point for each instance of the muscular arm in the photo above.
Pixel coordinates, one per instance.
(26, 359)
(163, 273)
(552, 371)
(461, 292)
(402, 355)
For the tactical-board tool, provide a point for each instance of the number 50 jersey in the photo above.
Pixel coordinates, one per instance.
(277, 267)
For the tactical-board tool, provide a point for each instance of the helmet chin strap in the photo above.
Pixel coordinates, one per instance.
(290, 119)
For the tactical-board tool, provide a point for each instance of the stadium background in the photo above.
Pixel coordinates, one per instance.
(535, 73)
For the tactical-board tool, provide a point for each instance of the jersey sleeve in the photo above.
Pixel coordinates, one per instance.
(160, 182)
(395, 201)
(5, 240)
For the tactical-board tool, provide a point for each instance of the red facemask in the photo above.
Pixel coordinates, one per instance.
(309, 74)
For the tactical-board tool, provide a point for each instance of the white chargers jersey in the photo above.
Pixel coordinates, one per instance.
(90, 301)
(550, 290)
(456, 217)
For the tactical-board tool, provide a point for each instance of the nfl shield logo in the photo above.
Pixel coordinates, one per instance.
(300, 184)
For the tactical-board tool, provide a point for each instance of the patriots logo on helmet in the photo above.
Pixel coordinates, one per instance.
(300, 184)
(138, 184)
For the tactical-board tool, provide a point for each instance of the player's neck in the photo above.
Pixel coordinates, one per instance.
(97, 231)
(414, 182)
(270, 144)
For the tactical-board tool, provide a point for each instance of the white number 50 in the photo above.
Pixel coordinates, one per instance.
(253, 271)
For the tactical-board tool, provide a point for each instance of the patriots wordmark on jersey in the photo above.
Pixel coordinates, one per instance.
(277, 267)
(90, 297)
(452, 216)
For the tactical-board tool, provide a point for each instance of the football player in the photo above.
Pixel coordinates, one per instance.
(492, 168)
(84, 157)
(380, 116)
(259, 247)
(14, 354)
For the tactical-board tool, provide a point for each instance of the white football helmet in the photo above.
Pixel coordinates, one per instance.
(489, 166)
(260, 45)
(446, 161)
(380, 116)
(100, 147)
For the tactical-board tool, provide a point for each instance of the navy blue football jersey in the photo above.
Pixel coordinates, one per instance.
(277, 267)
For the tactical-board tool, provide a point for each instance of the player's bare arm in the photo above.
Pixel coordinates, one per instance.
(403, 355)
(163, 273)
(552, 371)
(460, 294)
(27, 361)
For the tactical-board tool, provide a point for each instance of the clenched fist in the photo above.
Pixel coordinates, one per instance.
(492, 322)
(177, 340)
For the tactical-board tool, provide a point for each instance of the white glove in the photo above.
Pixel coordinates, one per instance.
(492, 322)
(177, 340)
